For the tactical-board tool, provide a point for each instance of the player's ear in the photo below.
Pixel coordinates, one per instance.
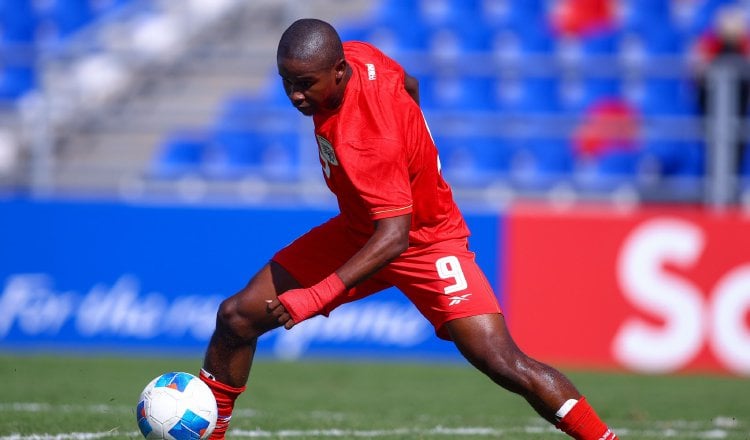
(340, 69)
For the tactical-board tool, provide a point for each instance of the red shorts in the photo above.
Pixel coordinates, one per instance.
(442, 279)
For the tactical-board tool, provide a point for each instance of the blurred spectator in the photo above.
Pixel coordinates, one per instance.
(583, 17)
(728, 40)
(609, 125)
(607, 144)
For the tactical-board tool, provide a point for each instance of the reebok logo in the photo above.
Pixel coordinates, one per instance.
(459, 299)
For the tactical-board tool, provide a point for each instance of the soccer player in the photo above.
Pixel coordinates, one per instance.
(398, 226)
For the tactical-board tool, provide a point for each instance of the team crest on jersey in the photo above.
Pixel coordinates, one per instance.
(327, 155)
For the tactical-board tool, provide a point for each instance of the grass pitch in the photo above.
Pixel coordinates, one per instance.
(88, 398)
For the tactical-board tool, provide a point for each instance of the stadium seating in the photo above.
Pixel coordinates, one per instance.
(29, 27)
(508, 36)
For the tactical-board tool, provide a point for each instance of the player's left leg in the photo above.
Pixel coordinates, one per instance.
(485, 341)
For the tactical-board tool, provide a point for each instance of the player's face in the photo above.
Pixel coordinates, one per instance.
(310, 87)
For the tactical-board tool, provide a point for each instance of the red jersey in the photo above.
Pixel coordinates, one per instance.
(378, 156)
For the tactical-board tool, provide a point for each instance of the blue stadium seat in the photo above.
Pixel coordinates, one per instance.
(397, 9)
(17, 21)
(460, 34)
(236, 148)
(553, 157)
(542, 162)
(16, 81)
(253, 135)
(436, 12)
(619, 164)
(271, 155)
(454, 93)
(651, 40)
(389, 35)
(576, 94)
(181, 152)
(611, 169)
(71, 15)
(664, 96)
(582, 52)
(677, 158)
(522, 38)
(474, 159)
(508, 13)
(395, 26)
(525, 95)
(643, 14)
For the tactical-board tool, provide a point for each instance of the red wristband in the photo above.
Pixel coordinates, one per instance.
(306, 303)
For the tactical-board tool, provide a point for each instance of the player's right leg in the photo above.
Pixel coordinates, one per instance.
(240, 320)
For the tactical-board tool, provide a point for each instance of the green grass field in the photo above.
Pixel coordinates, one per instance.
(87, 398)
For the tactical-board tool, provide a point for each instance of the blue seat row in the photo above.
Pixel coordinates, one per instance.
(554, 95)
(687, 17)
(658, 27)
(253, 136)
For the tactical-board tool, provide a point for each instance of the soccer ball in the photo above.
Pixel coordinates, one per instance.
(176, 406)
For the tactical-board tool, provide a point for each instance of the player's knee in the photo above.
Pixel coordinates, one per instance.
(233, 324)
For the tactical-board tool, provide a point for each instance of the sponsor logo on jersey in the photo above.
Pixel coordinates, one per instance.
(371, 75)
(327, 155)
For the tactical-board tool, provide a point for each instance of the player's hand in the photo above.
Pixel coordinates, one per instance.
(278, 311)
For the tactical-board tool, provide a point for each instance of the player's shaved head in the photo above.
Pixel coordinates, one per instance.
(311, 40)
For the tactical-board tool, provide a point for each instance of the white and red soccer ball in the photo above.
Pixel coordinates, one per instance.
(176, 406)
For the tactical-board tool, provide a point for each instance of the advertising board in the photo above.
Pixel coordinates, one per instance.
(149, 278)
(654, 290)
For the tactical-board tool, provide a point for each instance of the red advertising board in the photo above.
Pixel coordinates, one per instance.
(655, 289)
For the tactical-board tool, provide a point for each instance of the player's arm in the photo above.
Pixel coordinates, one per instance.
(411, 84)
(390, 239)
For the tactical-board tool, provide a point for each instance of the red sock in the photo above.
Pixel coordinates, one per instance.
(225, 396)
(582, 423)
